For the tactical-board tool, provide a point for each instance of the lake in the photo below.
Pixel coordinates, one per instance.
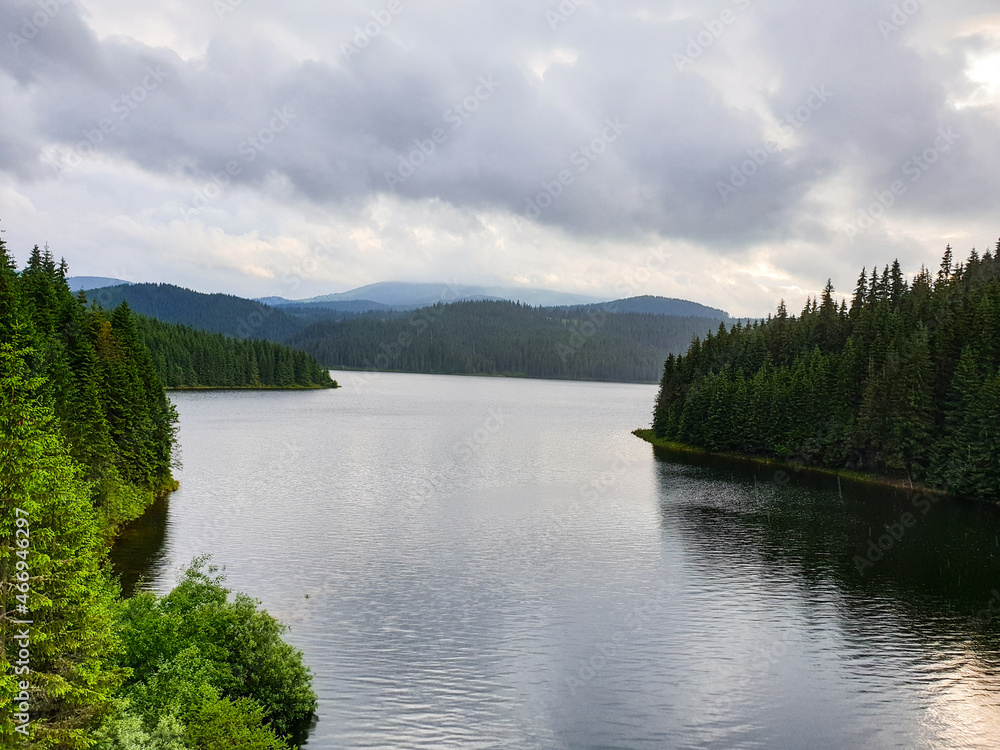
(485, 563)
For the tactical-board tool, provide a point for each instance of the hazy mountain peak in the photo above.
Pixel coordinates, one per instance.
(78, 283)
(409, 294)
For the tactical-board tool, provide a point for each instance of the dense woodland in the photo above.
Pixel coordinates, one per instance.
(217, 313)
(626, 340)
(507, 338)
(86, 442)
(903, 381)
(91, 367)
(185, 357)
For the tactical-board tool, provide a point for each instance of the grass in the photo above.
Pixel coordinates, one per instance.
(853, 476)
(254, 387)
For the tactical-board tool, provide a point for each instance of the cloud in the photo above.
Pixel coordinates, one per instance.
(627, 120)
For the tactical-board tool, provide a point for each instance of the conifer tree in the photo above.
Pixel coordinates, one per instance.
(51, 575)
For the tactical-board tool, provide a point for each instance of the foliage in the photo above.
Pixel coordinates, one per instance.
(188, 358)
(86, 442)
(216, 313)
(216, 663)
(506, 338)
(57, 581)
(905, 381)
(109, 404)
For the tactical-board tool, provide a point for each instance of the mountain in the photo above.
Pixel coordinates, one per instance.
(342, 306)
(403, 295)
(506, 338)
(83, 283)
(626, 340)
(218, 313)
(659, 306)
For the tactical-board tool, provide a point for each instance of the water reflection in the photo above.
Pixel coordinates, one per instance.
(912, 616)
(139, 554)
(501, 610)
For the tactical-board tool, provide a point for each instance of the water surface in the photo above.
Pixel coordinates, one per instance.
(485, 563)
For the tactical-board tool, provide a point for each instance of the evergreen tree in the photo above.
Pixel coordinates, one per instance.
(52, 546)
(904, 383)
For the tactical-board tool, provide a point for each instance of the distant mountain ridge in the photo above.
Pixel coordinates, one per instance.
(651, 305)
(405, 295)
(626, 339)
(83, 283)
(217, 313)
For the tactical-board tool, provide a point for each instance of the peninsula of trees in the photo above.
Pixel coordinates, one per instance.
(904, 382)
(188, 358)
(86, 442)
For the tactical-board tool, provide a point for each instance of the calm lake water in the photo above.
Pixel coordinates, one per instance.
(489, 563)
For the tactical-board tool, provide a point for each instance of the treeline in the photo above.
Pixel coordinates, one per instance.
(86, 441)
(217, 313)
(91, 368)
(905, 381)
(626, 340)
(506, 338)
(185, 357)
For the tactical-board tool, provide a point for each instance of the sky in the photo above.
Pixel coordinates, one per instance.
(731, 152)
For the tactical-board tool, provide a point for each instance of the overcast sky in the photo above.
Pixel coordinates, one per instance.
(731, 152)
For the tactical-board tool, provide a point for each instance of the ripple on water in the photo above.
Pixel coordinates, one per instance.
(561, 587)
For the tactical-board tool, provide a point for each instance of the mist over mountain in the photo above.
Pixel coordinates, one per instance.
(405, 295)
(83, 283)
(624, 339)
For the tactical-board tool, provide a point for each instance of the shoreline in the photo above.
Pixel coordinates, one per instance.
(501, 375)
(819, 471)
(254, 388)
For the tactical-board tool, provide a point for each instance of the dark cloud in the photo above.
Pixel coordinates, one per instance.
(354, 114)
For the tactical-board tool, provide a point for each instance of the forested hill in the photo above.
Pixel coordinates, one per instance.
(906, 381)
(86, 442)
(218, 313)
(185, 357)
(507, 338)
(656, 306)
(626, 340)
(91, 368)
